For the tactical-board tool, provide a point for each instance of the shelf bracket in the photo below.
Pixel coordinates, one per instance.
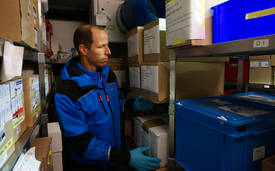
(240, 74)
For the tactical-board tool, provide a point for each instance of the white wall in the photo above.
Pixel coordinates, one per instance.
(63, 32)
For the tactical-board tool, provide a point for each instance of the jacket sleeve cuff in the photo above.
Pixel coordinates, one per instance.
(129, 105)
(119, 156)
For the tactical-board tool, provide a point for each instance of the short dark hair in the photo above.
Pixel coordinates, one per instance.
(84, 35)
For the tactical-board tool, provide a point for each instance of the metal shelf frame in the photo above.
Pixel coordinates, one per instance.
(239, 49)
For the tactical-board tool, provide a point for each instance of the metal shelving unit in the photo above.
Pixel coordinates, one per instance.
(29, 135)
(239, 49)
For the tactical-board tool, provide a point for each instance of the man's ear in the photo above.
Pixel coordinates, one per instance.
(82, 49)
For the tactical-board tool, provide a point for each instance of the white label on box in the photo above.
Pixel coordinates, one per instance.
(260, 43)
(133, 45)
(149, 78)
(3, 158)
(34, 102)
(120, 76)
(254, 64)
(134, 75)
(2, 134)
(35, 37)
(184, 21)
(19, 87)
(18, 129)
(12, 89)
(265, 64)
(34, 13)
(152, 40)
(258, 153)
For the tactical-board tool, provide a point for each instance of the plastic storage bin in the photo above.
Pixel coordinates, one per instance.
(215, 134)
(241, 19)
(265, 100)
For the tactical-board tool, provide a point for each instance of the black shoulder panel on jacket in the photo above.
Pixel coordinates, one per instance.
(111, 77)
(72, 89)
(81, 142)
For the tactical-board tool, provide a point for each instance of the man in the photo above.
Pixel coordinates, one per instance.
(88, 108)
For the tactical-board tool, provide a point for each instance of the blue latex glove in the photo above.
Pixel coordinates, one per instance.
(142, 162)
(141, 104)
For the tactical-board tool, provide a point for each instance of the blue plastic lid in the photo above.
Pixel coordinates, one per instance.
(224, 110)
(256, 97)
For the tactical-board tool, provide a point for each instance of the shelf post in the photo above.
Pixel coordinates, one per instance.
(240, 74)
(172, 57)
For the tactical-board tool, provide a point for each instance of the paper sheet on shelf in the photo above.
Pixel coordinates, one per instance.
(27, 162)
(12, 61)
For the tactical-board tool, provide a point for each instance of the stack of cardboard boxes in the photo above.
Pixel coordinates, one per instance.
(55, 133)
(20, 108)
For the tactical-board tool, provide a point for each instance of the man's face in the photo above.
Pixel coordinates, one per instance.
(97, 55)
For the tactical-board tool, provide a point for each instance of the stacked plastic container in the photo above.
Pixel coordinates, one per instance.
(224, 133)
(242, 19)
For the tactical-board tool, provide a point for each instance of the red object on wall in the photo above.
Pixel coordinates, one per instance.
(48, 37)
(231, 71)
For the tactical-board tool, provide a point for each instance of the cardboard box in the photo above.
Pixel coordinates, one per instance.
(134, 79)
(17, 21)
(57, 162)
(153, 131)
(129, 117)
(185, 27)
(18, 114)
(31, 99)
(154, 42)
(43, 33)
(120, 68)
(193, 80)
(55, 133)
(162, 169)
(135, 45)
(260, 70)
(36, 28)
(6, 124)
(272, 60)
(268, 164)
(43, 152)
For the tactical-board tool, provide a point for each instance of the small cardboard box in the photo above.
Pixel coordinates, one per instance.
(120, 68)
(134, 79)
(55, 132)
(152, 131)
(189, 22)
(154, 42)
(18, 114)
(260, 70)
(31, 99)
(193, 80)
(272, 60)
(135, 45)
(17, 21)
(57, 162)
(43, 152)
(268, 164)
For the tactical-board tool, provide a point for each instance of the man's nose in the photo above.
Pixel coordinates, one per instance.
(108, 51)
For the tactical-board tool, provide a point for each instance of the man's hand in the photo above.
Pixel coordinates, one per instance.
(142, 162)
(141, 104)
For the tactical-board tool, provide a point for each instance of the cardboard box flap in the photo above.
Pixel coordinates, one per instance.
(152, 123)
(134, 31)
(142, 119)
(161, 22)
(261, 57)
(160, 130)
(42, 142)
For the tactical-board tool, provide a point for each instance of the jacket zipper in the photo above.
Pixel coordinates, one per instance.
(112, 116)
(102, 103)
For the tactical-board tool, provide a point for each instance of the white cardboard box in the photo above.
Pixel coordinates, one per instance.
(57, 162)
(153, 131)
(56, 47)
(55, 132)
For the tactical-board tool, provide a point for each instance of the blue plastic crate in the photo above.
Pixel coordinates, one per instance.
(241, 19)
(258, 99)
(215, 134)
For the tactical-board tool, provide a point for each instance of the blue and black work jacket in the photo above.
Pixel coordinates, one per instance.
(88, 108)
